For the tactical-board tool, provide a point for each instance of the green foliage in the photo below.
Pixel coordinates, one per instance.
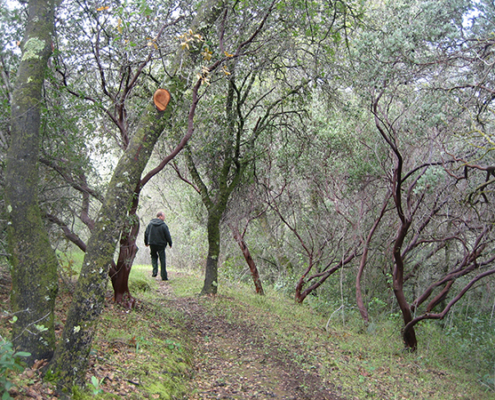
(95, 385)
(474, 341)
(10, 361)
(429, 180)
(11, 21)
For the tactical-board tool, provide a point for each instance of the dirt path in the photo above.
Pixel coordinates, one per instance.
(233, 361)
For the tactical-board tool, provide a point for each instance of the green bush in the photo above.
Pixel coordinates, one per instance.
(9, 361)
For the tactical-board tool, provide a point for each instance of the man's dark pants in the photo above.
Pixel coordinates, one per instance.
(159, 252)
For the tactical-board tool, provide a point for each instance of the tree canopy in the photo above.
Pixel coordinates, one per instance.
(346, 145)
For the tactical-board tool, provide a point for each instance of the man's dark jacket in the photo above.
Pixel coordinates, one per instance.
(157, 234)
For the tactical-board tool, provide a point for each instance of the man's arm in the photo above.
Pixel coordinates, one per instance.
(146, 236)
(167, 236)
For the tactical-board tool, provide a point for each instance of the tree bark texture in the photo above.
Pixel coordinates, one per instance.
(34, 263)
(250, 262)
(70, 360)
(409, 336)
(210, 285)
(215, 213)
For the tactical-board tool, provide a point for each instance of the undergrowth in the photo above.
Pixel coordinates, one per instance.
(359, 361)
(148, 352)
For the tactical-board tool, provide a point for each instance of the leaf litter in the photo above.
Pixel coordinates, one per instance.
(230, 360)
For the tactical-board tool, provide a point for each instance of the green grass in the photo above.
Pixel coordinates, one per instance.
(361, 364)
(151, 346)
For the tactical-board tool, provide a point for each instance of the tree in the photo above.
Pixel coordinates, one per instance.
(225, 166)
(140, 64)
(414, 119)
(34, 264)
(471, 165)
(70, 360)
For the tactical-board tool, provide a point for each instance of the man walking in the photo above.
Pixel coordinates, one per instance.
(157, 236)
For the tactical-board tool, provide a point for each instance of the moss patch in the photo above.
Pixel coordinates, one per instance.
(32, 49)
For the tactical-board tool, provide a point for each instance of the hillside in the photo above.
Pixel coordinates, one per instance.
(236, 345)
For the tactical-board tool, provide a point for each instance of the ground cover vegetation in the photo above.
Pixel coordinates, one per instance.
(238, 344)
(338, 152)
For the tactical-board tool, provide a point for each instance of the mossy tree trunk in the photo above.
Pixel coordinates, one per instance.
(70, 360)
(216, 198)
(34, 263)
(211, 272)
(216, 207)
(120, 271)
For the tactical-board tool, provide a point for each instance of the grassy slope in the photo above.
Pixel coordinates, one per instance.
(357, 363)
(149, 353)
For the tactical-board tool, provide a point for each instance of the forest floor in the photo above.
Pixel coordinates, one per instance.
(232, 360)
(178, 345)
(229, 360)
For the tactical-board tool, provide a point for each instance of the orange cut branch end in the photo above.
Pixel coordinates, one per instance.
(161, 99)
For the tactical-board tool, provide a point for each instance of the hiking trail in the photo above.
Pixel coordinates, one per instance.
(232, 360)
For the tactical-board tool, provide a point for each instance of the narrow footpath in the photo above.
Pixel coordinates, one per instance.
(233, 361)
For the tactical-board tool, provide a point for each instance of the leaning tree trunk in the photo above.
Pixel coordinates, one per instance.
(34, 263)
(119, 273)
(70, 360)
(249, 260)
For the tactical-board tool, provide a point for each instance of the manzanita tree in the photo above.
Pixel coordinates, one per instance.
(439, 239)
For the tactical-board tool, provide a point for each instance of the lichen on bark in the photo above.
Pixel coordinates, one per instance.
(71, 357)
(33, 261)
(33, 49)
